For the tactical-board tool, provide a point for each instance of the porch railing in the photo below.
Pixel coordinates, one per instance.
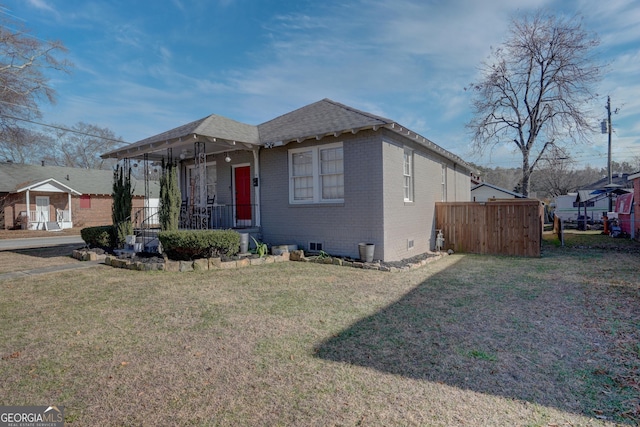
(204, 218)
(61, 216)
(218, 217)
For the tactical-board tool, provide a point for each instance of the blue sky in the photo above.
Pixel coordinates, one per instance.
(145, 66)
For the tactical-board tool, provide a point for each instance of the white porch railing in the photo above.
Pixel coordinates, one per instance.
(61, 216)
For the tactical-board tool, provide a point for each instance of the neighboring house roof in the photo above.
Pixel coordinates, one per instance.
(634, 176)
(621, 180)
(502, 190)
(595, 195)
(316, 120)
(15, 177)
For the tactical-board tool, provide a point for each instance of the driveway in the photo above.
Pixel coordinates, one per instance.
(39, 242)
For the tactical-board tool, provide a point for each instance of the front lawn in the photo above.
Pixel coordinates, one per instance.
(467, 340)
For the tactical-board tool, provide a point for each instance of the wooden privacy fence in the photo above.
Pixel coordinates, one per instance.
(497, 227)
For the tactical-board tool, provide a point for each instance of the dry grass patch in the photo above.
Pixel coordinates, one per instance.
(468, 340)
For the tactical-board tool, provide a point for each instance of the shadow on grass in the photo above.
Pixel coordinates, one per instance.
(524, 339)
(48, 251)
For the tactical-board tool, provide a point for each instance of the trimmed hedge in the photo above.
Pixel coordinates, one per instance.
(98, 237)
(192, 244)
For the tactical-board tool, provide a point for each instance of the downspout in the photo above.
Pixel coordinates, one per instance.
(256, 180)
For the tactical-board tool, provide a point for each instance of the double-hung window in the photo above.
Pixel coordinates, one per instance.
(444, 183)
(408, 175)
(316, 174)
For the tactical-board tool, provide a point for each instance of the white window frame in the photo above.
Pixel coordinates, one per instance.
(444, 182)
(315, 174)
(407, 175)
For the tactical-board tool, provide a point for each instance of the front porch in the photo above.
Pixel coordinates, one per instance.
(38, 220)
(241, 218)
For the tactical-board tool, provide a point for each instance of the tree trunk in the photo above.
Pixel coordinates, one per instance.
(526, 175)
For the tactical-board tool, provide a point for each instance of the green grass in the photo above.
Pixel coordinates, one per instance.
(467, 340)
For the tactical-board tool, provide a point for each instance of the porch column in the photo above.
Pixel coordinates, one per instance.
(256, 189)
(28, 210)
(69, 201)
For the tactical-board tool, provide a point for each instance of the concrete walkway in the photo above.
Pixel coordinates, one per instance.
(51, 269)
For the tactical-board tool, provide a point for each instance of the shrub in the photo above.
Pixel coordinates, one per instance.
(98, 237)
(192, 244)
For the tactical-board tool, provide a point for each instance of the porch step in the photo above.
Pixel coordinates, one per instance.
(52, 226)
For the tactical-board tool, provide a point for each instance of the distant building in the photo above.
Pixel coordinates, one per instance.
(53, 197)
(485, 191)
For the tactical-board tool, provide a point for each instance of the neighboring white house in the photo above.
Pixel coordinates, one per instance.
(485, 191)
(568, 207)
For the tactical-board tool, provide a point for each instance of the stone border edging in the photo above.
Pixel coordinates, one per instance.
(205, 264)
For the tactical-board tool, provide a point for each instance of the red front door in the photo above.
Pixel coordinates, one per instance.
(242, 177)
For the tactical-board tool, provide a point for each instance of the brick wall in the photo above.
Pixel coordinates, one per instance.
(374, 210)
(98, 214)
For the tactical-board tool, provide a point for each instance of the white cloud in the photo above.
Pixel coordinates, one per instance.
(41, 4)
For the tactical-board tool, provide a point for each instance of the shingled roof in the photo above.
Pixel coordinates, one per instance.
(316, 120)
(320, 118)
(15, 176)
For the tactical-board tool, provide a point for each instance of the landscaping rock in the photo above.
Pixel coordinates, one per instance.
(256, 261)
(228, 264)
(185, 266)
(214, 263)
(89, 256)
(296, 255)
(201, 264)
(170, 265)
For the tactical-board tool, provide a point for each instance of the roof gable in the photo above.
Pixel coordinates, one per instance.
(318, 119)
(213, 126)
(49, 185)
(502, 190)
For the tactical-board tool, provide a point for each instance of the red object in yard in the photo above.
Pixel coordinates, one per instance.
(623, 207)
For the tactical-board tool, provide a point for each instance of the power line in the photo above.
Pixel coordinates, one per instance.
(63, 129)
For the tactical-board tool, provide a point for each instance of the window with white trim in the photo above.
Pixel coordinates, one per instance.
(444, 183)
(316, 174)
(408, 175)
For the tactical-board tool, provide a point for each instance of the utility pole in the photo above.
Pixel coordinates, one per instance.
(609, 156)
(609, 132)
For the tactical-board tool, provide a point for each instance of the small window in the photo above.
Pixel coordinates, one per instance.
(315, 246)
(444, 183)
(408, 175)
(85, 201)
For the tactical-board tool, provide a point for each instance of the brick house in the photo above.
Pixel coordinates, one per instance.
(323, 177)
(51, 197)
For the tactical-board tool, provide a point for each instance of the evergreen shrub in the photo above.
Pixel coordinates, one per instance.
(99, 237)
(193, 244)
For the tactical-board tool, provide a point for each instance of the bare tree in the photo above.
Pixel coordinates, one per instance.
(81, 146)
(556, 174)
(24, 60)
(22, 145)
(536, 88)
